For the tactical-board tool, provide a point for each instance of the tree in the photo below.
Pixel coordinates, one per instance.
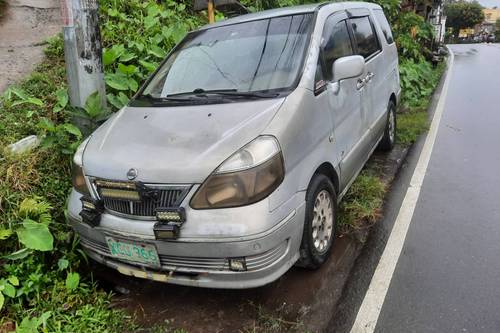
(497, 30)
(463, 14)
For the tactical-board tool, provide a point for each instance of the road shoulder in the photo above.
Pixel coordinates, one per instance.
(366, 264)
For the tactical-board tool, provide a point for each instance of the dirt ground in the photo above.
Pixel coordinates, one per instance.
(24, 26)
(301, 296)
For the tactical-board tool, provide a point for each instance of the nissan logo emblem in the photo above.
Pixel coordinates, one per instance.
(132, 174)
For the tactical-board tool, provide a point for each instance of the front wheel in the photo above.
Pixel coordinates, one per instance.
(319, 225)
(389, 138)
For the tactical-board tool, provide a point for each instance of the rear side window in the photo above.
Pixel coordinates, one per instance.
(336, 44)
(386, 28)
(365, 36)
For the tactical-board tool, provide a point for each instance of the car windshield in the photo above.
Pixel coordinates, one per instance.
(247, 57)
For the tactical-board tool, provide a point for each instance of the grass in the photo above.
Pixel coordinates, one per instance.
(87, 310)
(411, 124)
(362, 204)
(45, 302)
(21, 120)
(274, 322)
(165, 327)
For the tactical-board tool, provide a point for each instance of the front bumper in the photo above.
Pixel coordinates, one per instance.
(204, 262)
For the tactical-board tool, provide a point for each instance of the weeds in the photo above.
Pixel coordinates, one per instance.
(165, 327)
(418, 81)
(40, 287)
(362, 204)
(137, 35)
(411, 125)
(274, 322)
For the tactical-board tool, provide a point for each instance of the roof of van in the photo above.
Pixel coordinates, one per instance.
(291, 11)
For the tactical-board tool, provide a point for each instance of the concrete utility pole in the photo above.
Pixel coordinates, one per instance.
(82, 50)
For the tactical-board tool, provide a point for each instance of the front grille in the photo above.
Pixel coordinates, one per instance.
(168, 196)
(199, 264)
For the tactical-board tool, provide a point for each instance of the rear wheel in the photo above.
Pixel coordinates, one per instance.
(319, 225)
(389, 138)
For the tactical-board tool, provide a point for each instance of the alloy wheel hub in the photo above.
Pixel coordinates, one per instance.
(391, 126)
(322, 224)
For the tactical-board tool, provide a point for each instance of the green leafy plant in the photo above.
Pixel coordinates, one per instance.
(91, 115)
(413, 37)
(72, 281)
(65, 137)
(15, 96)
(33, 231)
(31, 325)
(62, 100)
(45, 281)
(418, 80)
(33, 234)
(137, 36)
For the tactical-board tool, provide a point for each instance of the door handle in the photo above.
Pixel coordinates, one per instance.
(360, 84)
(369, 76)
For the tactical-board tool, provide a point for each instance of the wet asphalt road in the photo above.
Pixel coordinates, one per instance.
(447, 278)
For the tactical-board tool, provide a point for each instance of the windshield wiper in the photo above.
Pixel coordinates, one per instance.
(226, 92)
(165, 99)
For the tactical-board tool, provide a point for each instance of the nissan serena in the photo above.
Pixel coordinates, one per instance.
(226, 167)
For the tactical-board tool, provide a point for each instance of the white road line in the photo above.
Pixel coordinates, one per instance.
(367, 317)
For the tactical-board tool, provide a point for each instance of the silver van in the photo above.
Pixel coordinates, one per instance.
(226, 168)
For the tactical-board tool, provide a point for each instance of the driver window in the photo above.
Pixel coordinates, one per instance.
(336, 44)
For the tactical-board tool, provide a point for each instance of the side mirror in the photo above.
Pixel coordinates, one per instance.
(348, 67)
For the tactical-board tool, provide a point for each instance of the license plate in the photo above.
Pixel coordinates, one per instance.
(133, 251)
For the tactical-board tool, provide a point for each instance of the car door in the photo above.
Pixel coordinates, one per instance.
(369, 46)
(343, 98)
(385, 81)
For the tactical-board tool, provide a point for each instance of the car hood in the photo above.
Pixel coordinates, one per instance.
(181, 144)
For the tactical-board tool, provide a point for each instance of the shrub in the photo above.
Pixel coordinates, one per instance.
(136, 36)
(418, 80)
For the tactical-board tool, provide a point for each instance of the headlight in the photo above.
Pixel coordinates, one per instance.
(77, 174)
(248, 176)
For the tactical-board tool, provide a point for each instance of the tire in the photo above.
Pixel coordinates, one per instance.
(389, 139)
(320, 197)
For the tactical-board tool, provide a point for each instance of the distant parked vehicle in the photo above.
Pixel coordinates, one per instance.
(226, 168)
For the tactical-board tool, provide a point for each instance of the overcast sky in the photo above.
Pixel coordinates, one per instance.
(490, 3)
